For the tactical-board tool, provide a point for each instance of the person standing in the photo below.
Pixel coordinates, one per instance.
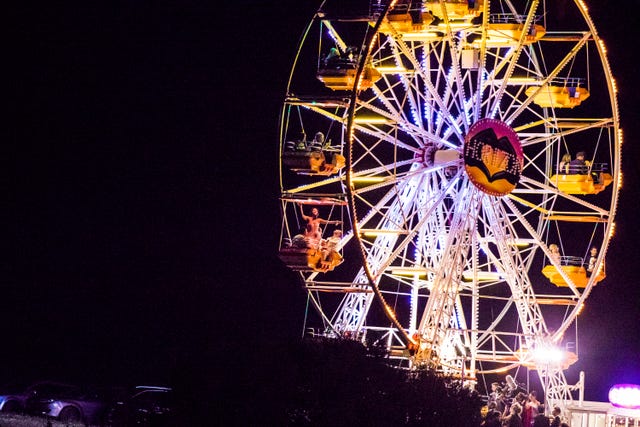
(492, 419)
(530, 409)
(556, 417)
(541, 420)
(513, 419)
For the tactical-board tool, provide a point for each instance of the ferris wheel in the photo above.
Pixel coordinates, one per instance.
(449, 178)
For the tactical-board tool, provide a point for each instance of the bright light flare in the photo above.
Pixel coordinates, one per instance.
(549, 355)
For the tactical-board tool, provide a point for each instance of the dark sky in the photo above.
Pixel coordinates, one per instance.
(141, 185)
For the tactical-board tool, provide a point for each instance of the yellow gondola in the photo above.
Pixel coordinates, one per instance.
(308, 259)
(576, 273)
(582, 183)
(310, 162)
(345, 78)
(404, 23)
(558, 96)
(455, 9)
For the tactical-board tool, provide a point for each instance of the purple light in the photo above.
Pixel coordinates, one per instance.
(625, 396)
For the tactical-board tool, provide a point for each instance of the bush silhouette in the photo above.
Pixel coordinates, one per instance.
(329, 382)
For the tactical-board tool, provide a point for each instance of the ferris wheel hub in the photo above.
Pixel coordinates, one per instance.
(493, 157)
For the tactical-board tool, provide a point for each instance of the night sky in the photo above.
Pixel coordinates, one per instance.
(140, 194)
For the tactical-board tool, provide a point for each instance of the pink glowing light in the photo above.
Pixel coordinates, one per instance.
(625, 396)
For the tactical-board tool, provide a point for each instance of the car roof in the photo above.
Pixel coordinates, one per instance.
(152, 387)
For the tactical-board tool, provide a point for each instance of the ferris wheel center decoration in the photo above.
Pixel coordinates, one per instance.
(493, 157)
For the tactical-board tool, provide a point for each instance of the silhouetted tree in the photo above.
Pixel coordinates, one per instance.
(322, 382)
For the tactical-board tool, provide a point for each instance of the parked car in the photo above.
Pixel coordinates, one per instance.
(69, 403)
(143, 406)
(13, 397)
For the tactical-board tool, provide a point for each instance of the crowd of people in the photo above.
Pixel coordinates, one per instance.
(509, 405)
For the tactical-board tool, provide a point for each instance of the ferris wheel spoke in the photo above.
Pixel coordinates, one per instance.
(523, 221)
(392, 117)
(434, 100)
(523, 296)
(455, 78)
(513, 62)
(384, 178)
(481, 78)
(546, 205)
(578, 125)
(411, 230)
(394, 98)
(454, 252)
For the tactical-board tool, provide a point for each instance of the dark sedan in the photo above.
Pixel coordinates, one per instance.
(69, 403)
(144, 405)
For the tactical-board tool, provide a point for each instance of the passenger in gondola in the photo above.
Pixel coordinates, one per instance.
(298, 145)
(312, 232)
(579, 165)
(329, 249)
(318, 142)
(592, 261)
(332, 59)
(563, 166)
(298, 241)
(330, 245)
(301, 145)
(555, 253)
(351, 54)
